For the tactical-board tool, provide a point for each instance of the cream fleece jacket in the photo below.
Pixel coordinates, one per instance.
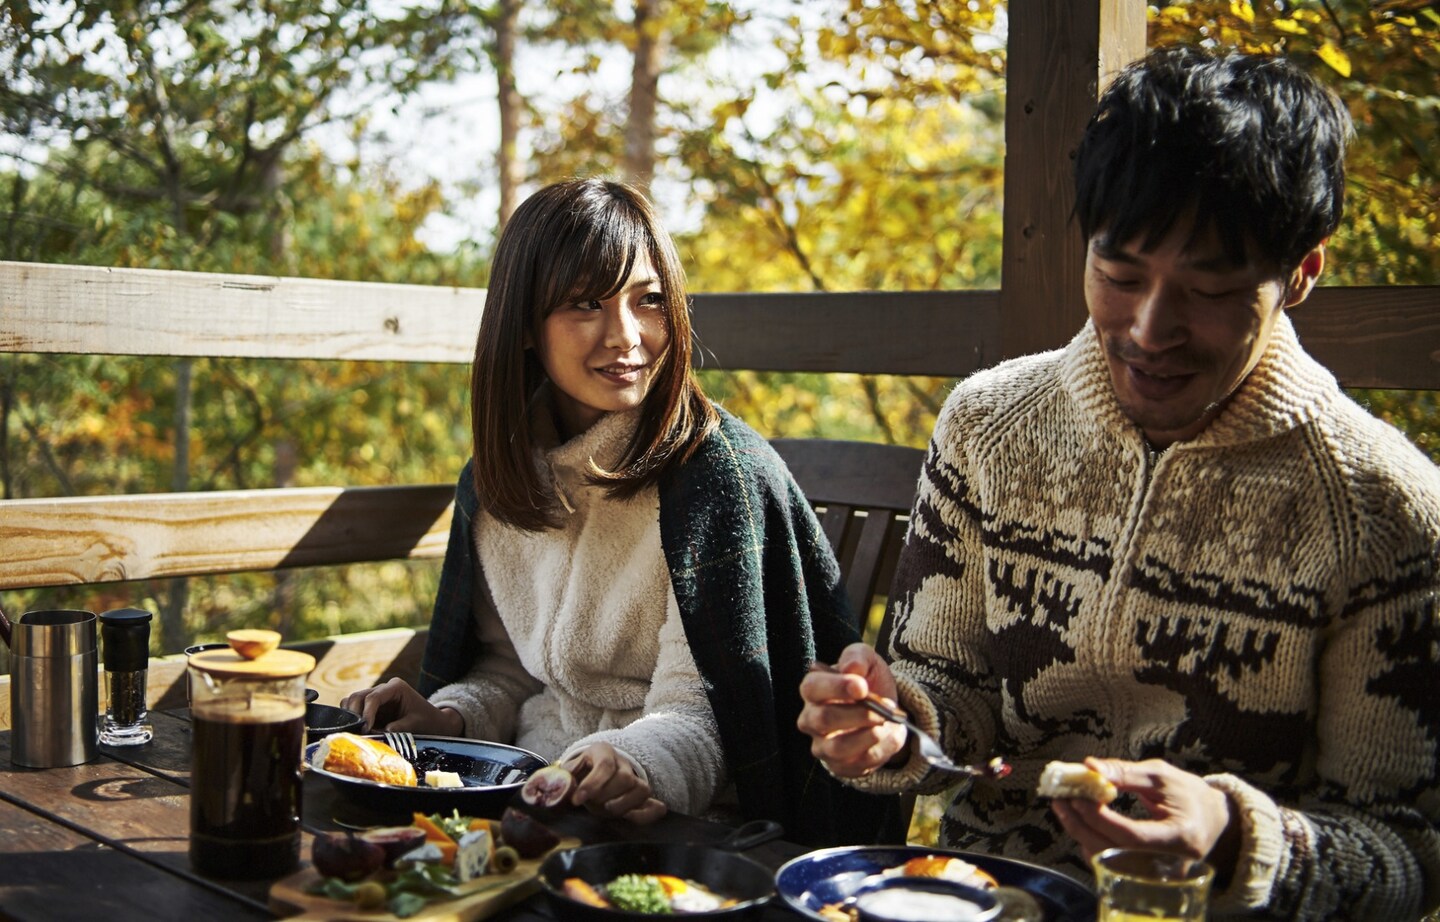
(582, 633)
(1257, 605)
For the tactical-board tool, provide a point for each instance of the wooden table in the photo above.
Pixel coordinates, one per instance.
(109, 839)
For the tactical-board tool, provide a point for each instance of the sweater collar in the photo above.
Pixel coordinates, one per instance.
(1286, 390)
(568, 463)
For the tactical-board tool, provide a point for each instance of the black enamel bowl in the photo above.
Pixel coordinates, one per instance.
(321, 720)
(492, 773)
(716, 867)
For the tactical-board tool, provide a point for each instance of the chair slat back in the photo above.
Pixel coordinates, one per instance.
(863, 492)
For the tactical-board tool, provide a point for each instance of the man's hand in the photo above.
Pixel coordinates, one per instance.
(850, 739)
(608, 785)
(1187, 816)
(394, 705)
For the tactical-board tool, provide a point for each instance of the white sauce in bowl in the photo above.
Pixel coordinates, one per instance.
(917, 906)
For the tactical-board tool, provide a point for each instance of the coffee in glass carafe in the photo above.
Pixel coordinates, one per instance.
(247, 708)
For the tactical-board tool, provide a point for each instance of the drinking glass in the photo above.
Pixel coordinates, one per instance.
(1138, 884)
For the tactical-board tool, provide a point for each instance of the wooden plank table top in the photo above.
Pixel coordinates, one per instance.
(110, 839)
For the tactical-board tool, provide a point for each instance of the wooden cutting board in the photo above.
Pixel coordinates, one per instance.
(487, 896)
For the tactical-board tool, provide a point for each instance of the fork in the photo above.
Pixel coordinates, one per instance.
(928, 747)
(403, 743)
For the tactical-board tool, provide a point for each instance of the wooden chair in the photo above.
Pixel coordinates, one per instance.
(863, 493)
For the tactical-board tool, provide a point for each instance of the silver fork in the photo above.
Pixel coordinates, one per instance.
(926, 744)
(403, 743)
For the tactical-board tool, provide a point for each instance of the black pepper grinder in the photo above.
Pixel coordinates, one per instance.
(125, 637)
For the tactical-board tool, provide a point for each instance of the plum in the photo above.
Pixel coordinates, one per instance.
(346, 856)
(528, 836)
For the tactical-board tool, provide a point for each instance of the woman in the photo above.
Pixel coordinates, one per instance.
(634, 585)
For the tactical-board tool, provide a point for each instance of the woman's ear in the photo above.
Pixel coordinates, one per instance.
(1303, 279)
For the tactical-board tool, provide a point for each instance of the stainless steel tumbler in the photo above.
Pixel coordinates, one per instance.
(54, 689)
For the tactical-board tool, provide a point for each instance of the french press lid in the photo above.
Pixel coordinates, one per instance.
(125, 635)
(253, 655)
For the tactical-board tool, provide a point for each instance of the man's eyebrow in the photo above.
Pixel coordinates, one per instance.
(1106, 249)
(1211, 262)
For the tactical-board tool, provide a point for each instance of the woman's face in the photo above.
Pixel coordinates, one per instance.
(602, 356)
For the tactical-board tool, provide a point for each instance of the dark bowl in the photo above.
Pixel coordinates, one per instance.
(724, 873)
(321, 720)
(868, 900)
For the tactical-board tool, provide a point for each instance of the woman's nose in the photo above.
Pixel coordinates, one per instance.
(623, 330)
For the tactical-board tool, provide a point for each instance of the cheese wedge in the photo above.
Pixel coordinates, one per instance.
(1072, 779)
(362, 757)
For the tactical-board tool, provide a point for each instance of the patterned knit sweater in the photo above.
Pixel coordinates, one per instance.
(1257, 605)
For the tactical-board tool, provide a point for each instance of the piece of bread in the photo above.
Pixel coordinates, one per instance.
(362, 757)
(1072, 779)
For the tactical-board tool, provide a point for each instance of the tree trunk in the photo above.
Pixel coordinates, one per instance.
(507, 160)
(651, 40)
(173, 636)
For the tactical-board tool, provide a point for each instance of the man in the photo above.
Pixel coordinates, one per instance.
(1174, 547)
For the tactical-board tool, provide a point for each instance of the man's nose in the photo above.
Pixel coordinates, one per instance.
(1159, 320)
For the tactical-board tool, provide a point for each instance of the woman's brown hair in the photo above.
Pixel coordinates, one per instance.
(575, 241)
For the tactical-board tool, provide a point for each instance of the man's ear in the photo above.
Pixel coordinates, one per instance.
(1302, 280)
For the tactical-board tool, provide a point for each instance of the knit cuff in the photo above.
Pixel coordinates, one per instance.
(914, 771)
(473, 708)
(1262, 845)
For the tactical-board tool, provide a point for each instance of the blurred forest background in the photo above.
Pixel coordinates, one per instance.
(792, 145)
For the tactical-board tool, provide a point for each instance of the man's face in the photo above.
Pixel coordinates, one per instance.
(1182, 325)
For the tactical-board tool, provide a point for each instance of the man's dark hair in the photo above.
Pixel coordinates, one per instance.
(1251, 146)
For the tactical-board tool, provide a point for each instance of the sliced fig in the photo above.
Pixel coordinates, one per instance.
(345, 855)
(549, 787)
(528, 836)
(394, 840)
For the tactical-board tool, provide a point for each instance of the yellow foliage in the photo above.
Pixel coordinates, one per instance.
(1338, 60)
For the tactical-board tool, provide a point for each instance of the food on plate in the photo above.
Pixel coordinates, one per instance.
(944, 867)
(439, 779)
(346, 855)
(581, 892)
(362, 757)
(402, 868)
(1072, 779)
(394, 840)
(472, 854)
(918, 906)
(656, 894)
(527, 835)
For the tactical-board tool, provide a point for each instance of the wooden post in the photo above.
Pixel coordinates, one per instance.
(1059, 54)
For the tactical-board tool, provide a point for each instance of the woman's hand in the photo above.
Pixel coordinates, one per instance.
(848, 737)
(1187, 816)
(395, 705)
(608, 785)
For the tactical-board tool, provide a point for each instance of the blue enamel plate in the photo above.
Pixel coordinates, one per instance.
(833, 875)
(491, 773)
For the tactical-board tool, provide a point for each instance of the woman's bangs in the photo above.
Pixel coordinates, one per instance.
(594, 263)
